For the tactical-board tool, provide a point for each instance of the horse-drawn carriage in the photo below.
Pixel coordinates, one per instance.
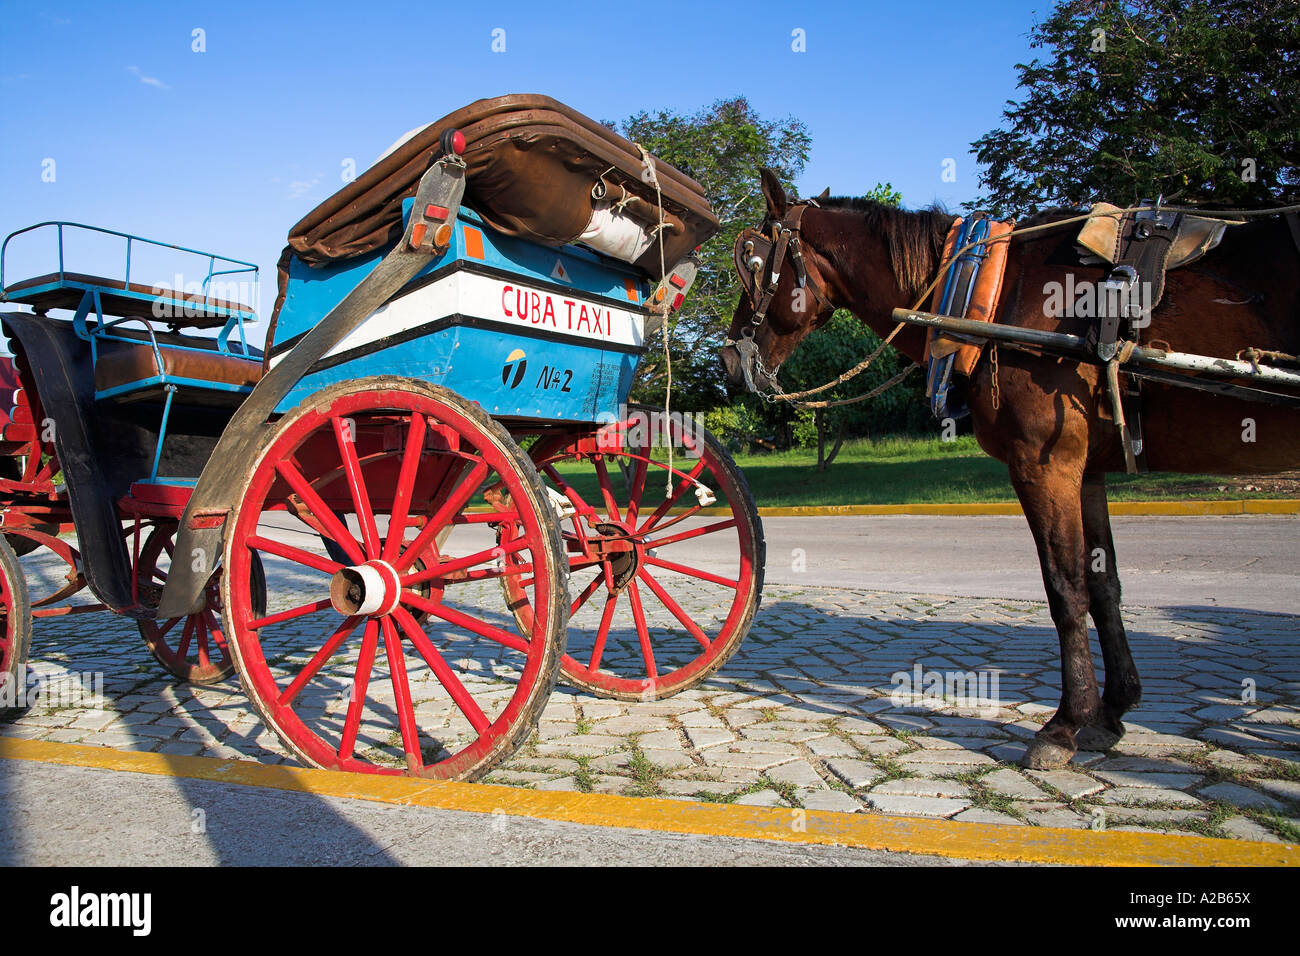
(426, 497)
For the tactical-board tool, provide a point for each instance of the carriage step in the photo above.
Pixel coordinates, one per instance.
(164, 497)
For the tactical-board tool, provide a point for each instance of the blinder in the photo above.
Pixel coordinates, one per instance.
(759, 259)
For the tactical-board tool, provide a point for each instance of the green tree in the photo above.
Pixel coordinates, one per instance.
(723, 147)
(1198, 100)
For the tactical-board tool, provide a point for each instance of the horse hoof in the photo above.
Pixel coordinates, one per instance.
(1045, 755)
(1096, 737)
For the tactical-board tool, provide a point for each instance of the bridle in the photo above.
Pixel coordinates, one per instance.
(759, 259)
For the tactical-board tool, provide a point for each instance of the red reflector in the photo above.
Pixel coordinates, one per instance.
(678, 299)
(458, 142)
(677, 280)
(435, 212)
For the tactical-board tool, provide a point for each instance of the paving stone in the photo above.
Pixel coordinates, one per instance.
(1012, 784)
(1126, 778)
(963, 758)
(566, 784)
(703, 737)
(702, 719)
(1141, 795)
(1073, 785)
(904, 721)
(1229, 760)
(692, 787)
(1052, 815)
(856, 725)
(761, 798)
(1243, 828)
(981, 815)
(1282, 789)
(516, 777)
(855, 773)
(832, 747)
(660, 740)
(723, 757)
(881, 746)
(916, 806)
(780, 747)
(1240, 796)
(921, 787)
(798, 772)
(834, 800)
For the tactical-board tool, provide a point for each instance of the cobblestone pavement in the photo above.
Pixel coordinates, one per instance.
(840, 700)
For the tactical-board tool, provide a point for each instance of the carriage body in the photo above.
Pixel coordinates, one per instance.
(530, 333)
(437, 464)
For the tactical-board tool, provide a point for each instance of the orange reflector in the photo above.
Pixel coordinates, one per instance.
(660, 293)
(473, 243)
(629, 286)
(417, 234)
(442, 237)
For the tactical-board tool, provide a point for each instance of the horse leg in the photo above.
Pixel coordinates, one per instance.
(1050, 494)
(1123, 688)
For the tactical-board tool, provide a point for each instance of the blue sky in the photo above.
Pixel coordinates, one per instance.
(226, 149)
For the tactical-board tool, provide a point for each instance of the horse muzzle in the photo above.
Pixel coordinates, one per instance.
(745, 367)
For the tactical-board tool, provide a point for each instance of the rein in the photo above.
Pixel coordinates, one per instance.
(786, 239)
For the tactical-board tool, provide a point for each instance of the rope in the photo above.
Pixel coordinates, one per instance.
(648, 161)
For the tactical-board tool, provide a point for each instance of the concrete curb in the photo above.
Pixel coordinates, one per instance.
(948, 838)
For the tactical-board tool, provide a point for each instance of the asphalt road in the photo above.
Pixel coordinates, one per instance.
(1246, 561)
(55, 816)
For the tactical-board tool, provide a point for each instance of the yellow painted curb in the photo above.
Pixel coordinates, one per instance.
(1241, 506)
(973, 841)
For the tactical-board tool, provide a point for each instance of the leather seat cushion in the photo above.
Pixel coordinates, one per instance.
(121, 363)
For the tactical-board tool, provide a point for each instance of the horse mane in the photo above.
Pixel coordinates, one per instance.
(915, 237)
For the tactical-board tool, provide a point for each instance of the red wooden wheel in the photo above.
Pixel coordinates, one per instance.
(15, 626)
(191, 648)
(664, 587)
(375, 664)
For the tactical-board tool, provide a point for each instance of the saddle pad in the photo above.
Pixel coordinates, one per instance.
(984, 295)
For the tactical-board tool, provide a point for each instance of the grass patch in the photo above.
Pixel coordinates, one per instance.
(917, 470)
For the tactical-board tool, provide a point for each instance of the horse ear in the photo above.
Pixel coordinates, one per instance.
(774, 193)
(824, 195)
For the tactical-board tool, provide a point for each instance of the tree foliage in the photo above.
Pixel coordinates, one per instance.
(722, 146)
(1198, 100)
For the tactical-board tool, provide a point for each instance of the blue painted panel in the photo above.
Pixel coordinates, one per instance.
(562, 380)
(508, 375)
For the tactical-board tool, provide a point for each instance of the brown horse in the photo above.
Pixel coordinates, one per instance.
(1050, 420)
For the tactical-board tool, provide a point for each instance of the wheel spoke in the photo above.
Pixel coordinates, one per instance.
(442, 569)
(692, 572)
(693, 533)
(461, 619)
(164, 628)
(311, 668)
(201, 630)
(602, 474)
(405, 487)
(361, 680)
(675, 608)
(456, 500)
(186, 634)
(446, 676)
(672, 499)
(289, 552)
(320, 511)
(602, 633)
(402, 696)
(302, 610)
(642, 632)
(638, 489)
(586, 594)
(357, 486)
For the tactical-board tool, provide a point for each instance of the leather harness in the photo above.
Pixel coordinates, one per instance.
(757, 253)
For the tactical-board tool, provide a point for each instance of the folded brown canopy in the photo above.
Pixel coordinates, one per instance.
(532, 165)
